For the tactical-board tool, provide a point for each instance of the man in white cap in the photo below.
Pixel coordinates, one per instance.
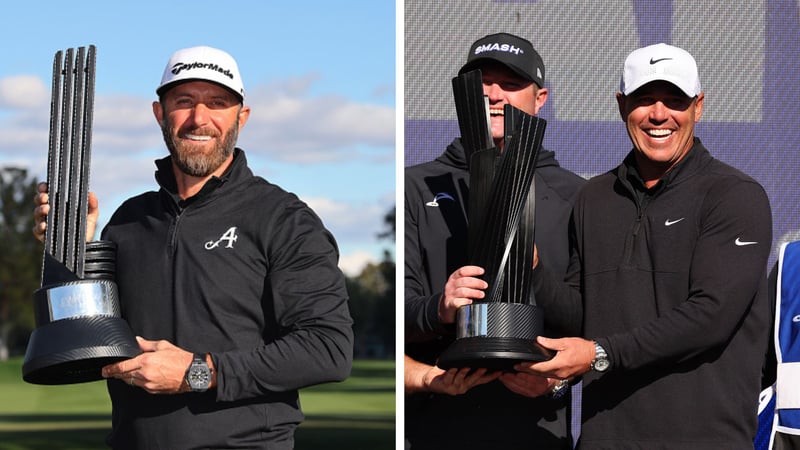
(231, 282)
(667, 280)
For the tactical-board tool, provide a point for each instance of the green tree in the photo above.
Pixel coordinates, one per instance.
(385, 313)
(372, 301)
(20, 258)
(391, 227)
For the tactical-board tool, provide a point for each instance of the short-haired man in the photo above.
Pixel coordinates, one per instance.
(220, 272)
(511, 412)
(667, 279)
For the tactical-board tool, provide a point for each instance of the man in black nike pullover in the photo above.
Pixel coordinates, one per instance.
(513, 411)
(666, 282)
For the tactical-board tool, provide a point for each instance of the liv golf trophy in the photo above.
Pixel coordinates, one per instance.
(501, 329)
(79, 328)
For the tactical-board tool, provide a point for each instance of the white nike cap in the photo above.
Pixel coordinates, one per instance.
(660, 62)
(202, 63)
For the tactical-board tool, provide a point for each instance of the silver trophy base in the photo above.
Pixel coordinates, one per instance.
(79, 330)
(495, 336)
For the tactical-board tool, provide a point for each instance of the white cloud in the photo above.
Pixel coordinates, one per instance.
(354, 263)
(123, 127)
(23, 91)
(292, 125)
(349, 219)
(355, 227)
(124, 111)
(288, 123)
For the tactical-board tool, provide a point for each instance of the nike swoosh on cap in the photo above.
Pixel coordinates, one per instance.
(653, 61)
(741, 243)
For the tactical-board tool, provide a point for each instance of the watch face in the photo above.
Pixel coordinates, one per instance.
(601, 365)
(199, 377)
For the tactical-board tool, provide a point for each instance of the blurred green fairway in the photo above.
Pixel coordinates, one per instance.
(358, 413)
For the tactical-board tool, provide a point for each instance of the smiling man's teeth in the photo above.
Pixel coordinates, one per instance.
(659, 133)
(196, 137)
(496, 111)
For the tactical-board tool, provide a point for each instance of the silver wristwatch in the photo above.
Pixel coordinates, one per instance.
(198, 375)
(600, 363)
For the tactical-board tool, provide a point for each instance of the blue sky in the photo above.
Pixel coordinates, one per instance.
(319, 77)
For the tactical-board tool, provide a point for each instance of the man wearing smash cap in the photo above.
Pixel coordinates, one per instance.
(509, 411)
(666, 282)
(231, 282)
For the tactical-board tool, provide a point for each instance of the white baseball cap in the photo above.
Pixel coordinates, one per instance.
(660, 62)
(202, 63)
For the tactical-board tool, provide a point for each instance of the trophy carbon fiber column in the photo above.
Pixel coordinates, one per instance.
(79, 328)
(501, 329)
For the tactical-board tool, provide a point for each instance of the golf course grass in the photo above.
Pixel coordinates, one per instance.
(358, 413)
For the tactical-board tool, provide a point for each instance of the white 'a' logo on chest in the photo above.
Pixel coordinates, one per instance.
(229, 238)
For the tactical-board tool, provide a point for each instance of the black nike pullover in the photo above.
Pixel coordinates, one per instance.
(671, 281)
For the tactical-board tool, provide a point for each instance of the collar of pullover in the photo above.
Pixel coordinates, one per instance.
(166, 179)
(696, 158)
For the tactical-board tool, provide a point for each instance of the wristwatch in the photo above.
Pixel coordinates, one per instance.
(198, 375)
(600, 363)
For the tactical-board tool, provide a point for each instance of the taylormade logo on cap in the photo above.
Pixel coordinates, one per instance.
(660, 62)
(202, 63)
(177, 68)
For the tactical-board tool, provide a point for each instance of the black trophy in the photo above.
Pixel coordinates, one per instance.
(79, 328)
(501, 329)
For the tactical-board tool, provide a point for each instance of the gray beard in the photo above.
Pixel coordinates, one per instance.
(196, 164)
